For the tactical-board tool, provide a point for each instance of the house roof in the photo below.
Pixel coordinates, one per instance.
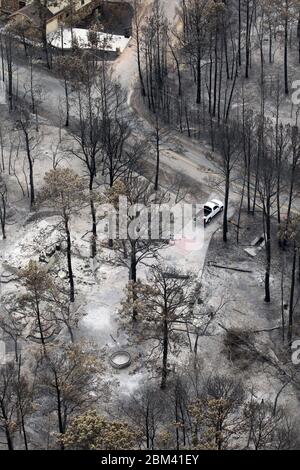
(33, 12)
(107, 42)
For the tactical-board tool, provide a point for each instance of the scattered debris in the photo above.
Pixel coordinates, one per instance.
(256, 246)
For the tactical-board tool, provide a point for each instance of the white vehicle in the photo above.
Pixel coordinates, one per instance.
(211, 209)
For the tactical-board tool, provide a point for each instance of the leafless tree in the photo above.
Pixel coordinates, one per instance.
(71, 376)
(229, 141)
(31, 139)
(3, 206)
(64, 190)
(163, 305)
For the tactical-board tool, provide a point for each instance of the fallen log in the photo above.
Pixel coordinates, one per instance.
(229, 267)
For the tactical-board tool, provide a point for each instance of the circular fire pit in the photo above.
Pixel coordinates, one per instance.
(120, 359)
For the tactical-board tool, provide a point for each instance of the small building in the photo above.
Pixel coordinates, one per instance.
(32, 17)
(63, 15)
(111, 20)
(55, 6)
(10, 6)
(114, 16)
